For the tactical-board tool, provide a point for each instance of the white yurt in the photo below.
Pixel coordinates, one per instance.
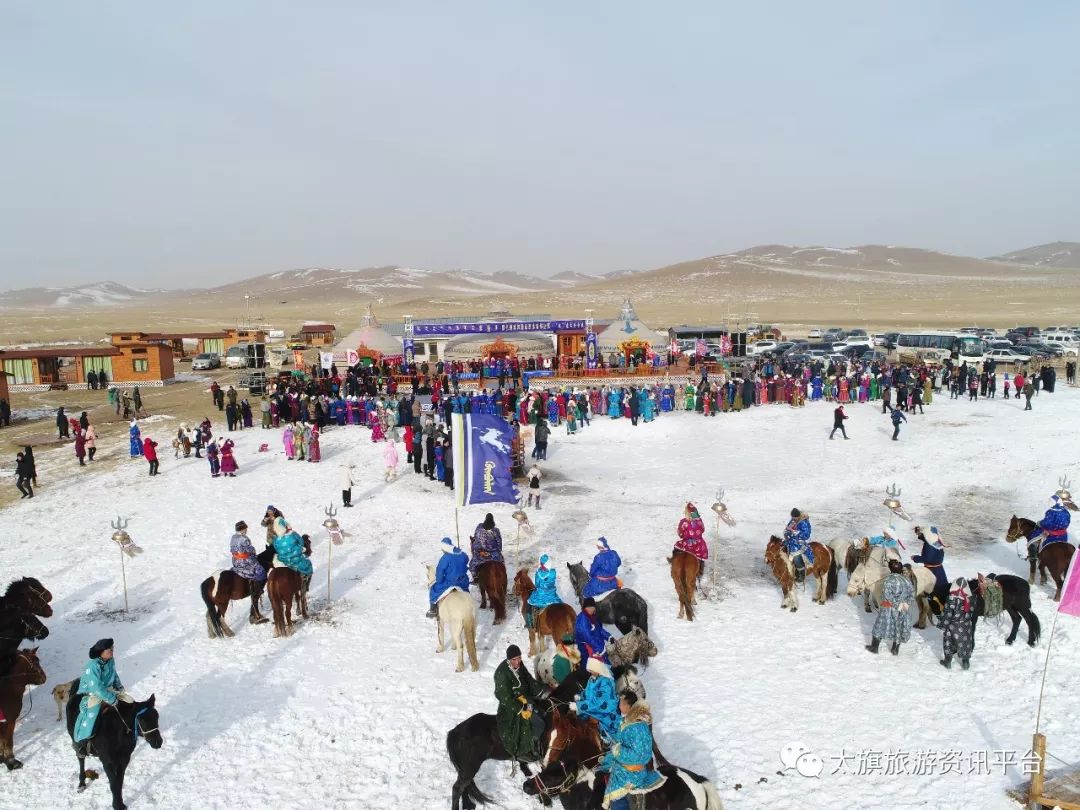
(628, 335)
(369, 341)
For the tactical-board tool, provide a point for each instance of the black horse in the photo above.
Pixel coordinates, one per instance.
(579, 789)
(475, 740)
(1015, 598)
(29, 595)
(17, 624)
(622, 608)
(117, 731)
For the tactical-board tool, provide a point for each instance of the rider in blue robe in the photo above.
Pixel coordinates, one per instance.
(553, 409)
(603, 571)
(135, 436)
(933, 557)
(614, 404)
(599, 700)
(589, 634)
(1053, 528)
(289, 548)
(797, 540)
(451, 572)
(98, 685)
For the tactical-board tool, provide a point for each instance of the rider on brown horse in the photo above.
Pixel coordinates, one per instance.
(244, 562)
(797, 542)
(1053, 528)
(486, 545)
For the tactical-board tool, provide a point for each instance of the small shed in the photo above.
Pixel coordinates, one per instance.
(316, 334)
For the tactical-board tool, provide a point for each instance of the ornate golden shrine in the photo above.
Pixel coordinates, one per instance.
(499, 349)
(637, 348)
(371, 355)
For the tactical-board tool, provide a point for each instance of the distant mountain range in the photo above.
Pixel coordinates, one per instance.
(1055, 254)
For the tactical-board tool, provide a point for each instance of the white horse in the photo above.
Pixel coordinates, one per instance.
(869, 576)
(457, 614)
(544, 667)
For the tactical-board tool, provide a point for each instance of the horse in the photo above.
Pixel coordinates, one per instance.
(634, 647)
(491, 579)
(116, 732)
(29, 595)
(555, 620)
(16, 625)
(457, 615)
(625, 674)
(218, 590)
(1053, 557)
(577, 787)
(1015, 598)
(823, 569)
(21, 669)
(622, 607)
(475, 740)
(283, 586)
(684, 573)
(869, 576)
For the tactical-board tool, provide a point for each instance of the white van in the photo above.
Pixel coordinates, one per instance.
(237, 356)
(1066, 340)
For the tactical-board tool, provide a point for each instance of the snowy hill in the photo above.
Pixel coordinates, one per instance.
(1054, 254)
(100, 294)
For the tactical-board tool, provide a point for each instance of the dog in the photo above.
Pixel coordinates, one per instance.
(61, 693)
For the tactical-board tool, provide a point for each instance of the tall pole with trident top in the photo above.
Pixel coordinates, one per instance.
(333, 528)
(127, 548)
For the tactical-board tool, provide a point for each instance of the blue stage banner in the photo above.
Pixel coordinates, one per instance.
(592, 351)
(408, 348)
(499, 327)
(482, 459)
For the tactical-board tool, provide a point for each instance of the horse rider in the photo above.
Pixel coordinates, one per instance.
(566, 659)
(268, 523)
(797, 542)
(520, 726)
(603, 573)
(545, 593)
(589, 633)
(933, 557)
(627, 762)
(893, 620)
(1053, 528)
(289, 547)
(599, 700)
(691, 531)
(98, 684)
(451, 572)
(245, 564)
(486, 545)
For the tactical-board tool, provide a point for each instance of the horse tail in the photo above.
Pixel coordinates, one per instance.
(833, 578)
(684, 585)
(1035, 627)
(712, 798)
(455, 749)
(213, 623)
(468, 629)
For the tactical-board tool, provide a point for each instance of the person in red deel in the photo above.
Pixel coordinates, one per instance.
(692, 534)
(150, 454)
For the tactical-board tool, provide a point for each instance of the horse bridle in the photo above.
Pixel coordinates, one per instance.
(135, 730)
(570, 777)
(25, 656)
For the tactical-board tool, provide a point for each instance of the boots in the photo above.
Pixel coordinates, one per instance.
(965, 663)
(432, 612)
(946, 662)
(895, 648)
(875, 642)
(82, 749)
(537, 501)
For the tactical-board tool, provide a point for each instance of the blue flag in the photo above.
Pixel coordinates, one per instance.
(482, 459)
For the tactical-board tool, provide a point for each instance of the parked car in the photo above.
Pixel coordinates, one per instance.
(814, 334)
(890, 339)
(1049, 349)
(999, 344)
(834, 333)
(1007, 356)
(237, 357)
(796, 347)
(761, 347)
(872, 355)
(858, 337)
(1065, 340)
(206, 360)
(1027, 331)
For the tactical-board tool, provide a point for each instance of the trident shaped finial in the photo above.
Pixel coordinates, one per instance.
(120, 524)
(1064, 482)
(893, 491)
(330, 511)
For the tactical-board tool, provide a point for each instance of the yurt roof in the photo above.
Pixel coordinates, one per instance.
(627, 327)
(371, 335)
(468, 347)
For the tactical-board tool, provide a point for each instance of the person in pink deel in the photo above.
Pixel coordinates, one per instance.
(314, 452)
(289, 440)
(692, 534)
(228, 460)
(390, 459)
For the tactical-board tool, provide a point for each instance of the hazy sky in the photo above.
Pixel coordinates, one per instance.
(191, 143)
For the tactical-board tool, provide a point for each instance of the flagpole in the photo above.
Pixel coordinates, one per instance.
(1046, 665)
(457, 528)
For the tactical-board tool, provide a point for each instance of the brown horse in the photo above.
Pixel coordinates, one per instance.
(21, 669)
(491, 577)
(1054, 557)
(684, 572)
(554, 620)
(823, 569)
(218, 591)
(283, 586)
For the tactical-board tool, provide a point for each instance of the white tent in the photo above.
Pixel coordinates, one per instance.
(368, 336)
(627, 328)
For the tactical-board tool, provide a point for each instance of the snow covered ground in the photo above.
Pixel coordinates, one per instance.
(353, 710)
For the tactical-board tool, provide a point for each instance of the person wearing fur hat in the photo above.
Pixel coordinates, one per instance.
(626, 764)
(98, 684)
(520, 725)
(451, 572)
(691, 532)
(797, 542)
(933, 557)
(135, 440)
(599, 700)
(1054, 527)
(546, 592)
(603, 573)
(245, 564)
(567, 658)
(893, 620)
(486, 544)
(589, 633)
(955, 624)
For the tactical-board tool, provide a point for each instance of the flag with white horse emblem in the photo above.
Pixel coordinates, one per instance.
(482, 459)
